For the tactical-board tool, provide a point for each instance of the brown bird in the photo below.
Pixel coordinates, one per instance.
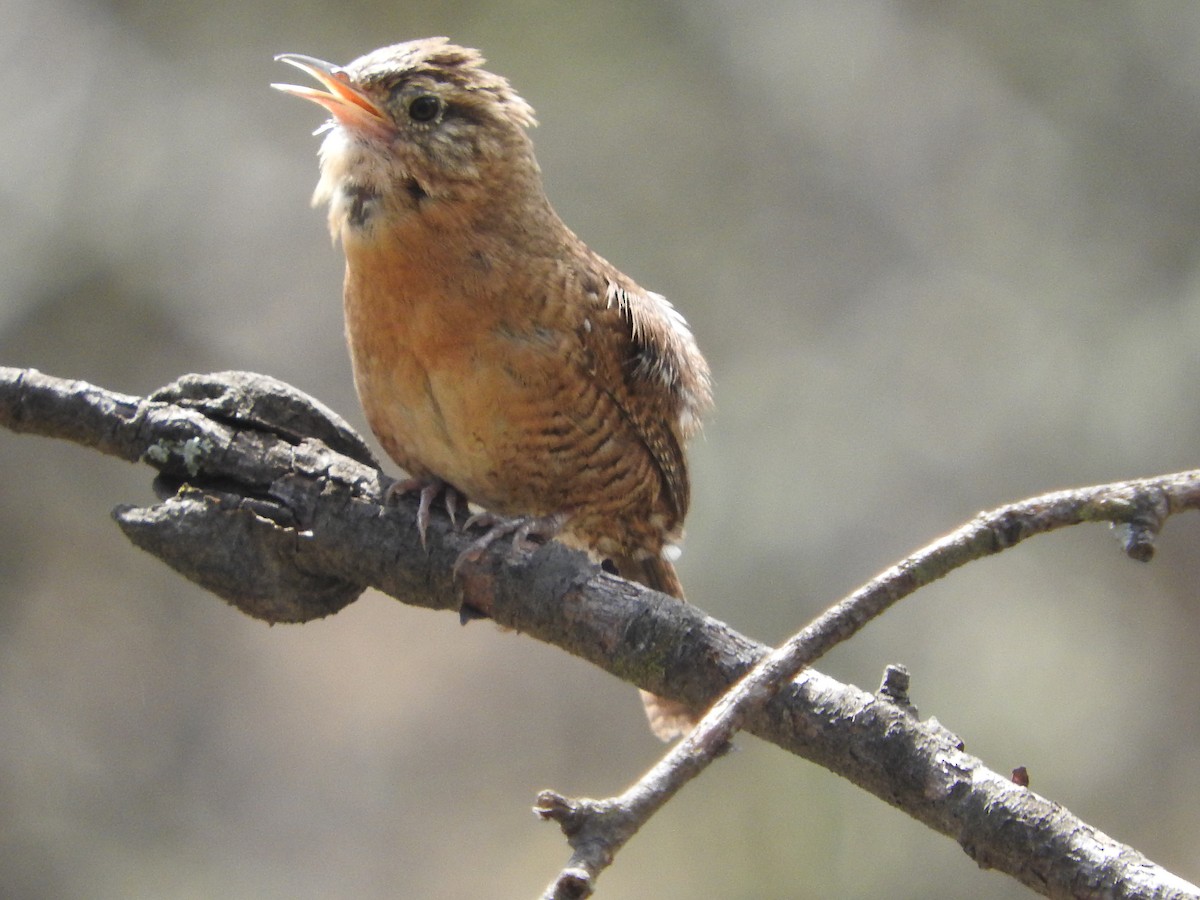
(495, 355)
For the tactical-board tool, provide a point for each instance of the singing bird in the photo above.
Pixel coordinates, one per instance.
(496, 356)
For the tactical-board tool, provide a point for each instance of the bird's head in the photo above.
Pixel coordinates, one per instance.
(415, 123)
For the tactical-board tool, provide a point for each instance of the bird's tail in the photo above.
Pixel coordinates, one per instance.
(669, 719)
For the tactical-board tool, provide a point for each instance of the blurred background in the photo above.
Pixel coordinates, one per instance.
(941, 256)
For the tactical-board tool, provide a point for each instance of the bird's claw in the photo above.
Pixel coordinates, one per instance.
(528, 533)
(427, 490)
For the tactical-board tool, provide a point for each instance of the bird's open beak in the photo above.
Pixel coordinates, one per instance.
(346, 103)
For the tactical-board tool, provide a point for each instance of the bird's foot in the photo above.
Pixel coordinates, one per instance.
(528, 532)
(427, 489)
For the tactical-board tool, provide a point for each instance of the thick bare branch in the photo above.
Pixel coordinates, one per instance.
(286, 528)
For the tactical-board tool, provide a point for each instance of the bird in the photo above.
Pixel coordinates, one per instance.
(496, 356)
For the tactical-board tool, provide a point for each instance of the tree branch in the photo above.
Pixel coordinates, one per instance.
(272, 502)
(596, 830)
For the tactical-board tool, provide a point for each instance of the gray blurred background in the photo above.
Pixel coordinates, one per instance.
(941, 256)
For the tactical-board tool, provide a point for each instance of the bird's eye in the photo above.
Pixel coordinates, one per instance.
(424, 108)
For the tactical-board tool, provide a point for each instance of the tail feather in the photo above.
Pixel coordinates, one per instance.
(653, 571)
(668, 719)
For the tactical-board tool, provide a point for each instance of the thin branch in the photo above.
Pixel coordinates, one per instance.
(275, 521)
(597, 830)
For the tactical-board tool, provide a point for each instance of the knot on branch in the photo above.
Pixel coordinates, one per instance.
(244, 460)
(573, 883)
(259, 402)
(1141, 519)
(579, 821)
(571, 815)
(222, 543)
(895, 685)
